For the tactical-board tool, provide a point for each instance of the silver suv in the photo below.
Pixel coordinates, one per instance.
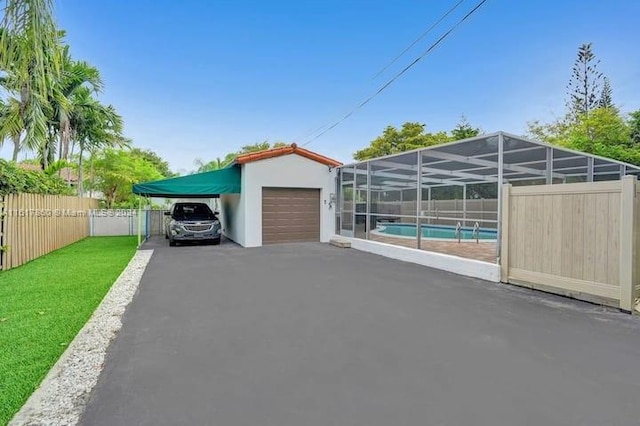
(192, 222)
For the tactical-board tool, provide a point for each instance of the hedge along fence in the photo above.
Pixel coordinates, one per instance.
(34, 225)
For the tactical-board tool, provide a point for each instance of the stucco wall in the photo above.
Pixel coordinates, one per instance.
(232, 217)
(291, 171)
(458, 265)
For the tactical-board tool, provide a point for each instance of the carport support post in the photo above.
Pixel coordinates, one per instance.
(139, 221)
(500, 183)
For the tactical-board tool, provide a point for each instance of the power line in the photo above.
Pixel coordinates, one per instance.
(309, 132)
(416, 41)
(423, 35)
(398, 75)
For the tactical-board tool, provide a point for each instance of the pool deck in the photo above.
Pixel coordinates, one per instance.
(484, 251)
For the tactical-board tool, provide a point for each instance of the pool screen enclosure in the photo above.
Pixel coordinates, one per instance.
(455, 186)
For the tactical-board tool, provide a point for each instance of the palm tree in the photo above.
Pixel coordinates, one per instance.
(93, 126)
(14, 118)
(30, 57)
(75, 76)
(11, 124)
(50, 106)
(212, 165)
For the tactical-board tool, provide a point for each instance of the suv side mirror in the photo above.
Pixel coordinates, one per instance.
(167, 213)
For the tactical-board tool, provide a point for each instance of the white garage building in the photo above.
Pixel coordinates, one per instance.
(274, 196)
(285, 197)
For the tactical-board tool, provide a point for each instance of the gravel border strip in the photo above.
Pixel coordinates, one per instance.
(65, 391)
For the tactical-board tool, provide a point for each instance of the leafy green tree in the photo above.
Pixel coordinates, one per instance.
(15, 180)
(230, 158)
(583, 90)
(634, 128)
(116, 171)
(261, 146)
(554, 133)
(161, 165)
(601, 127)
(392, 141)
(464, 130)
(603, 131)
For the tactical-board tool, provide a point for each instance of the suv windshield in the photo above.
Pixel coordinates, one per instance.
(193, 211)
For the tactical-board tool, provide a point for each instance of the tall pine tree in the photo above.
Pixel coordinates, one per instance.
(606, 97)
(464, 130)
(583, 89)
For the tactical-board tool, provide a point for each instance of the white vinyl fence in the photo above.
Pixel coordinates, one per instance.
(576, 239)
(125, 222)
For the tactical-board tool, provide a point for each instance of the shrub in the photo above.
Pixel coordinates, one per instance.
(15, 180)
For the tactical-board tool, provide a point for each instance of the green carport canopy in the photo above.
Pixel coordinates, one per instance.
(200, 185)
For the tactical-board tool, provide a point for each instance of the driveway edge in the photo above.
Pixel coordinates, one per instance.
(63, 394)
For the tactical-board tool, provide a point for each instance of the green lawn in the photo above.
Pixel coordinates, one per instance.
(44, 304)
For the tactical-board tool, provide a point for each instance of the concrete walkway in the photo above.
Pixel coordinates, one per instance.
(308, 334)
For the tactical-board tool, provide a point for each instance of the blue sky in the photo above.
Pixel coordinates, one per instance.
(202, 78)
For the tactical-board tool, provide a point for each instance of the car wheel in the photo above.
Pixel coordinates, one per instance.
(172, 243)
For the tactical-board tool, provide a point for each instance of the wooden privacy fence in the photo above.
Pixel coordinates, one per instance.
(34, 225)
(581, 240)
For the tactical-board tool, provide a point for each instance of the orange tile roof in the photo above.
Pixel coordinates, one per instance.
(286, 150)
(64, 173)
(31, 167)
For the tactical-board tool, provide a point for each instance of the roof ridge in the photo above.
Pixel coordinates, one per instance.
(250, 157)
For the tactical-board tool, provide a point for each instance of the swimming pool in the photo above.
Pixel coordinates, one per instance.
(434, 231)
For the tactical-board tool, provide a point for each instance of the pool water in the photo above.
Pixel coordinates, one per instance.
(435, 231)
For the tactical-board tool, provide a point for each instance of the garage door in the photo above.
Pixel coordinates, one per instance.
(290, 215)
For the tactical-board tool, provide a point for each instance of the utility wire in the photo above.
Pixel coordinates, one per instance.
(423, 35)
(416, 41)
(311, 132)
(398, 75)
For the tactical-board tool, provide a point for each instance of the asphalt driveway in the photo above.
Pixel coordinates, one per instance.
(308, 334)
